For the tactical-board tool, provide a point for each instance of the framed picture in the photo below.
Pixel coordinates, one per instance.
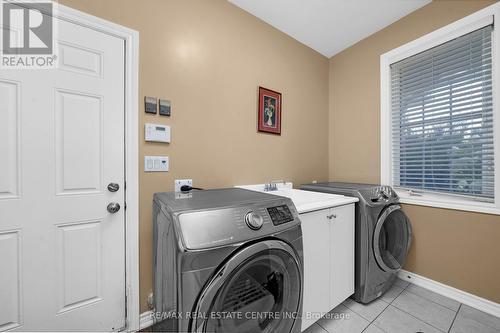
(269, 111)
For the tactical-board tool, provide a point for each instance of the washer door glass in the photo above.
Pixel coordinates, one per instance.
(392, 238)
(262, 294)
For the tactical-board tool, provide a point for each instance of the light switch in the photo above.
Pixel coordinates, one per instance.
(156, 133)
(156, 163)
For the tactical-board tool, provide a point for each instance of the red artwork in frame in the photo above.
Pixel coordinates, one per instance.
(269, 111)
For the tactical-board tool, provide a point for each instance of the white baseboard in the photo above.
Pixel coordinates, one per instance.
(453, 293)
(146, 320)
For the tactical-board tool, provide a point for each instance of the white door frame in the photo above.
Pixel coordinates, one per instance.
(131, 40)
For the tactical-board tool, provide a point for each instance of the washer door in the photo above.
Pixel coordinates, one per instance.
(392, 238)
(258, 290)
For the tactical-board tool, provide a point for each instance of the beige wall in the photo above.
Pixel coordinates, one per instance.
(457, 248)
(209, 57)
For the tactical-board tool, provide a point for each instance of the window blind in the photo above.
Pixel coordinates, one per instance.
(442, 118)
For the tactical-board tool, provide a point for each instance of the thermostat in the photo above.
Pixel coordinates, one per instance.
(157, 133)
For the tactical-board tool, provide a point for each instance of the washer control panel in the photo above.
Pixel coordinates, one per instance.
(280, 214)
(210, 228)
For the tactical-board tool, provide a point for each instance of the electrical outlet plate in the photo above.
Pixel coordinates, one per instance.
(181, 182)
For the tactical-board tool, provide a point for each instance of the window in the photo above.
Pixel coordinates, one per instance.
(439, 120)
(442, 119)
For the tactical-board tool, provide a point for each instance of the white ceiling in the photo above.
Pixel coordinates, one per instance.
(329, 26)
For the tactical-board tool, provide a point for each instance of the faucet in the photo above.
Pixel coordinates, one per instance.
(273, 185)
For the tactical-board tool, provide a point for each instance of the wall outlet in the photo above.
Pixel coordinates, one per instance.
(181, 182)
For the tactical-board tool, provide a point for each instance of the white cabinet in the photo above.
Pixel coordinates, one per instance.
(316, 240)
(341, 254)
(328, 237)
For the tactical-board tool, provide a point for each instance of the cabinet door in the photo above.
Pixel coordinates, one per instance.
(341, 222)
(316, 240)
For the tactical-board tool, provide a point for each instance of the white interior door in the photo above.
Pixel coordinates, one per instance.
(62, 253)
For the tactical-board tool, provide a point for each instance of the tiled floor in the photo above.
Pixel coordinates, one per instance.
(407, 308)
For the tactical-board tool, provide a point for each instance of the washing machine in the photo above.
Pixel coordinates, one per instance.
(227, 260)
(383, 236)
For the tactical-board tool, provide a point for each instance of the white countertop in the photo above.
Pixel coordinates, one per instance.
(305, 201)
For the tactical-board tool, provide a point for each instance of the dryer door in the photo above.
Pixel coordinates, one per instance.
(259, 289)
(392, 238)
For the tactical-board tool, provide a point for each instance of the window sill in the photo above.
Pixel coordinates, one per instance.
(448, 202)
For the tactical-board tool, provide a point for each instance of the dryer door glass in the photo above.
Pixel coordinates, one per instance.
(392, 238)
(262, 294)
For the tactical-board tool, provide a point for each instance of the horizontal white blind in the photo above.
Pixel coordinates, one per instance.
(442, 118)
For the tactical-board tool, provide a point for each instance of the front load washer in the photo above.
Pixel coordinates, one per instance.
(383, 236)
(227, 260)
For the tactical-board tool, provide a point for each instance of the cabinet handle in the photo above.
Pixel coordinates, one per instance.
(333, 216)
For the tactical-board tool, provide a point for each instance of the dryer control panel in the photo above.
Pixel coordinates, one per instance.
(382, 194)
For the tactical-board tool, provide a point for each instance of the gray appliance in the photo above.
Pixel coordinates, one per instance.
(383, 236)
(227, 260)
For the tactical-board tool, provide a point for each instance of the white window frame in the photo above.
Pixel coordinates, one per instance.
(459, 28)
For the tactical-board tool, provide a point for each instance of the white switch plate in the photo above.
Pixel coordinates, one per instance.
(181, 182)
(156, 133)
(156, 163)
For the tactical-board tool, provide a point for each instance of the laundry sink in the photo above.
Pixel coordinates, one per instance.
(304, 201)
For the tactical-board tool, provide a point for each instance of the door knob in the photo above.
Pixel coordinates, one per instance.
(113, 207)
(113, 187)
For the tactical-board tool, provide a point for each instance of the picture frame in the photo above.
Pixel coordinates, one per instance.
(269, 111)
